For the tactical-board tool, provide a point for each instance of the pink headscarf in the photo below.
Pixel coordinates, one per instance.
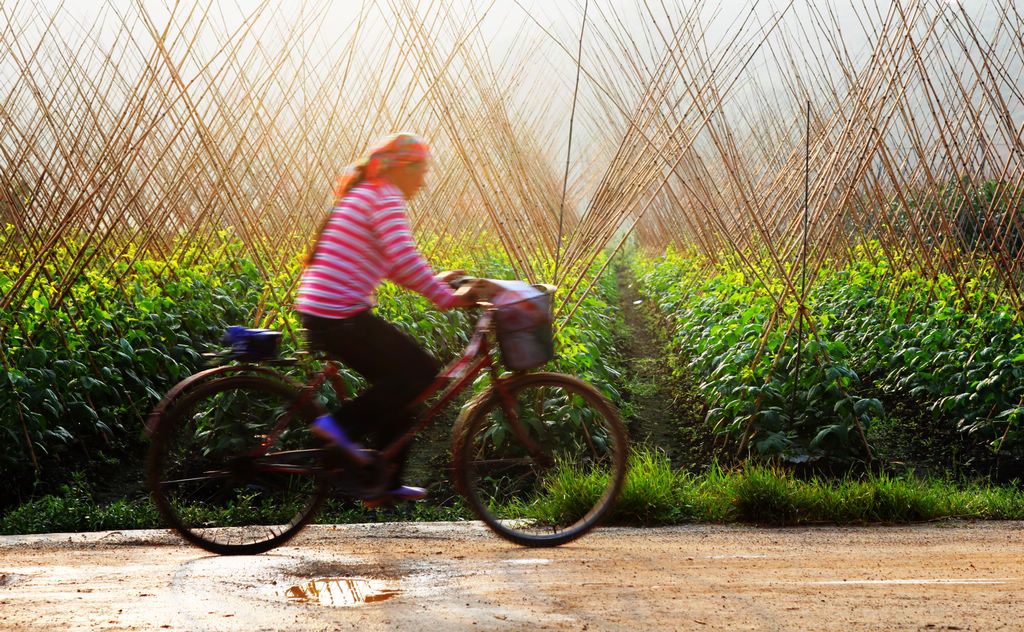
(391, 151)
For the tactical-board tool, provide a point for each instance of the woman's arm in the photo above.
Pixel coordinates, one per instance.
(408, 267)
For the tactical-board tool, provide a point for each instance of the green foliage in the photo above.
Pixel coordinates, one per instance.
(770, 496)
(653, 493)
(798, 404)
(88, 357)
(916, 339)
(880, 332)
(656, 494)
(74, 508)
(585, 345)
(979, 217)
(83, 371)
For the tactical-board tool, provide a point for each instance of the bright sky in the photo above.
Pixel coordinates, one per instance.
(508, 25)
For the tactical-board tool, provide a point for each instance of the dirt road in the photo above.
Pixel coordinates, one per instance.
(451, 577)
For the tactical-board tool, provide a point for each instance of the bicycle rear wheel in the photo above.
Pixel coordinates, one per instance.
(547, 468)
(212, 482)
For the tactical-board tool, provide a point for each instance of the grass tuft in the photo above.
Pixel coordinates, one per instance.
(653, 494)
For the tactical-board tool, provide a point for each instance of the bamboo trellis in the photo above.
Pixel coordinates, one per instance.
(144, 131)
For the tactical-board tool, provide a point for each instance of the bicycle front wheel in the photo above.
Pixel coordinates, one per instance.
(543, 465)
(233, 466)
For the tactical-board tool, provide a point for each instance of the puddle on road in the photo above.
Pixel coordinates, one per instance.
(340, 592)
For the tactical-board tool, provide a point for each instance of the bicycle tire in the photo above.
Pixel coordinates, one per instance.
(536, 499)
(205, 481)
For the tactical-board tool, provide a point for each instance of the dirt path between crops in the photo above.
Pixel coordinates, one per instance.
(458, 576)
(662, 410)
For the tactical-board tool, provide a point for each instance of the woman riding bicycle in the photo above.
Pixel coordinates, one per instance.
(365, 240)
(233, 468)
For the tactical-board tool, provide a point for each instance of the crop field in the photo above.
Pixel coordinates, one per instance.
(820, 202)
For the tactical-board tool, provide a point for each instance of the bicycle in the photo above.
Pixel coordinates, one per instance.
(231, 444)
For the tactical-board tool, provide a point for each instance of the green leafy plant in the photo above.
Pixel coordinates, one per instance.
(83, 370)
(878, 334)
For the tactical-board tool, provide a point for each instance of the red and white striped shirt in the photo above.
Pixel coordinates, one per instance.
(367, 240)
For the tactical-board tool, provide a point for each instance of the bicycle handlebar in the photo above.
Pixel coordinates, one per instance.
(479, 289)
(458, 282)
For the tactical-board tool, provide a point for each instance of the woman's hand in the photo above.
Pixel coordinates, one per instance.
(449, 275)
(466, 296)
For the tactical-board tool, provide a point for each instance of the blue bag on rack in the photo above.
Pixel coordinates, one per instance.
(252, 345)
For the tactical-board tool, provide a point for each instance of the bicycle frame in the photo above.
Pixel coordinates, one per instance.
(452, 379)
(510, 441)
(459, 373)
(475, 358)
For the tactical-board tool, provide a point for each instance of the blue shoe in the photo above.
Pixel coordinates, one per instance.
(328, 429)
(399, 494)
(405, 492)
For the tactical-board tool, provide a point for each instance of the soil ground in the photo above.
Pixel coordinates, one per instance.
(459, 576)
(662, 407)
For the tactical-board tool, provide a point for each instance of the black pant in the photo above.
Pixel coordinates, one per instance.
(396, 366)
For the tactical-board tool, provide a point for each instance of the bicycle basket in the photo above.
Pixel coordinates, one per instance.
(524, 331)
(252, 345)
